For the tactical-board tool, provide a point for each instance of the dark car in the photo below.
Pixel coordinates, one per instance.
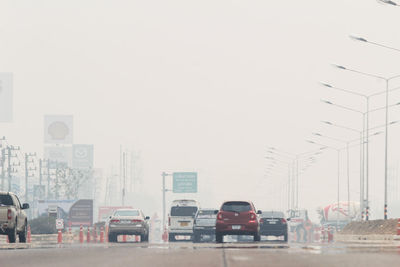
(273, 223)
(204, 224)
(237, 218)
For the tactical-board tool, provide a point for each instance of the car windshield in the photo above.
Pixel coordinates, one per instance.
(126, 213)
(236, 206)
(206, 213)
(183, 211)
(272, 214)
(6, 200)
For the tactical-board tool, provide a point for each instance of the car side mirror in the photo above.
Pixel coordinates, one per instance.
(216, 211)
(288, 219)
(147, 218)
(259, 212)
(25, 206)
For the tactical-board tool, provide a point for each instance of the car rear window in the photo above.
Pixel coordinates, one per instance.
(272, 214)
(183, 211)
(236, 206)
(206, 213)
(6, 200)
(126, 213)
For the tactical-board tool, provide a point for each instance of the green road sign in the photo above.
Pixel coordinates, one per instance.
(184, 182)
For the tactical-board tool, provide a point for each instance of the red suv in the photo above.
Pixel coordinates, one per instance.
(237, 218)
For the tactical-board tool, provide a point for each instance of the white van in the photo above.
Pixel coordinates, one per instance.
(181, 218)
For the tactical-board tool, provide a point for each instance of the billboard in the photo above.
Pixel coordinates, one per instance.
(58, 154)
(6, 97)
(82, 156)
(58, 129)
(184, 182)
(81, 213)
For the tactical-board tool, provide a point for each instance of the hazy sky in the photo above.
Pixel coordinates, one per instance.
(203, 86)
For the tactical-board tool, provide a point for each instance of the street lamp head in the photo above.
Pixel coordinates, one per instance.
(389, 2)
(326, 84)
(317, 134)
(357, 38)
(311, 142)
(326, 102)
(394, 122)
(327, 122)
(377, 133)
(338, 66)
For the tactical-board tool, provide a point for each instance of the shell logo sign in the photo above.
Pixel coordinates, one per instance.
(58, 129)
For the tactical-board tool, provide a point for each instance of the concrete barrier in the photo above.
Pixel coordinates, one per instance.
(365, 238)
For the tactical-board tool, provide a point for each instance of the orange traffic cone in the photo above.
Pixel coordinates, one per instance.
(137, 238)
(124, 238)
(101, 234)
(81, 234)
(59, 237)
(88, 235)
(29, 238)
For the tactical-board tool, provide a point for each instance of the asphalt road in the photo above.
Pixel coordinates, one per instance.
(188, 254)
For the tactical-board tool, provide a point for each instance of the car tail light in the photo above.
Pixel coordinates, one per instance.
(283, 221)
(114, 221)
(253, 216)
(137, 221)
(219, 216)
(9, 214)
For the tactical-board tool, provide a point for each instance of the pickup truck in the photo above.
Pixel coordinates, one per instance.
(13, 219)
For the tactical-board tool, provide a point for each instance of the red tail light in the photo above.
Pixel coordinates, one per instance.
(9, 214)
(253, 216)
(114, 221)
(137, 221)
(283, 221)
(169, 221)
(219, 216)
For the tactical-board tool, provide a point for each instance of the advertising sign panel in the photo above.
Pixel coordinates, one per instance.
(184, 182)
(6, 97)
(81, 213)
(58, 154)
(82, 156)
(58, 129)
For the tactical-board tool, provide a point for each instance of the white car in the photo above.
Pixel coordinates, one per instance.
(181, 218)
(13, 219)
(128, 222)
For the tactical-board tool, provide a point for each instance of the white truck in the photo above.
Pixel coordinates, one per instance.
(339, 214)
(181, 218)
(13, 219)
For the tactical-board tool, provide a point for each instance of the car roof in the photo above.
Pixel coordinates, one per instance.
(127, 209)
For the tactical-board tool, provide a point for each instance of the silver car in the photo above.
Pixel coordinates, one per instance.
(128, 222)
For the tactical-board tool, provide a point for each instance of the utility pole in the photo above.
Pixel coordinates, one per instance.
(10, 149)
(48, 178)
(3, 159)
(28, 159)
(123, 177)
(164, 190)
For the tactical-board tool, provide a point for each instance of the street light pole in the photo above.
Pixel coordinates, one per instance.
(387, 80)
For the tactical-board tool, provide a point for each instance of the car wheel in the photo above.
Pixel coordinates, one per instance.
(219, 238)
(196, 237)
(285, 237)
(112, 238)
(171, 238)
(144, 238)
(12, 235)
(257, 237)
(22, 235)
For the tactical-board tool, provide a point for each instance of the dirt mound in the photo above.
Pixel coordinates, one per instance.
(375, 227)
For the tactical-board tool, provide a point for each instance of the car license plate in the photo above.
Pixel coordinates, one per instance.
(125, 221)
(272, 222)
(184, 223)
(236, 227)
